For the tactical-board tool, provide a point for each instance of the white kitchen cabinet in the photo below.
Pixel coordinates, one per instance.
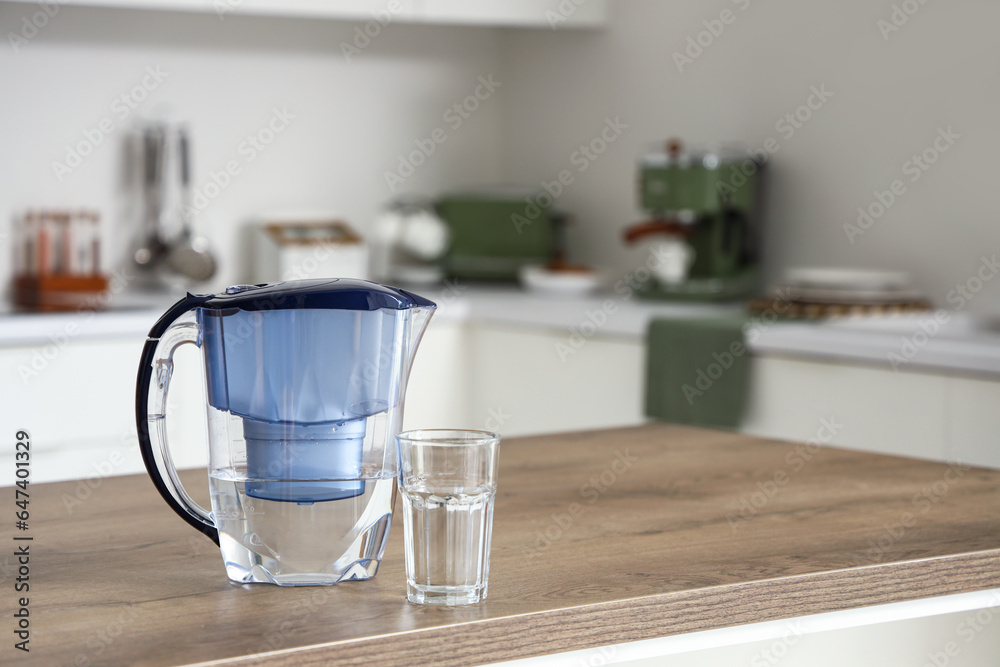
(553, 14)
(82, 391)
(935, 416)
(79, 407)
(973, 425)
(437, 393)
(874, 409)
(331, 9)
(511, 380)
(521, 385)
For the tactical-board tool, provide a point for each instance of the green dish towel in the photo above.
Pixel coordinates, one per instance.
(697, 371)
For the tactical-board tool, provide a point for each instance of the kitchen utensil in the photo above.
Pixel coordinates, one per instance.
(709, 201)
(189, 255)
(448, 480)
(152, 247)
(305, 385)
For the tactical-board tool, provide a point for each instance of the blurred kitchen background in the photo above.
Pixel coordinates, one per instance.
(581, 186)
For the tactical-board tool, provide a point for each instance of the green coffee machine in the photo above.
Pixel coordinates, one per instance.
(703, 232)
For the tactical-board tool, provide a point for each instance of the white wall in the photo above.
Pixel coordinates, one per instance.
(352, 119)
(939, 69)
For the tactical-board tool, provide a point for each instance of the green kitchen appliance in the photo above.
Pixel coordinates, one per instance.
(705, 221)
(493, 233)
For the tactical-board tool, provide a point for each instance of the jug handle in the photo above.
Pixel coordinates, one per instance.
(155, 371)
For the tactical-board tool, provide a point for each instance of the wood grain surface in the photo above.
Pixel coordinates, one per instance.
(690, 530)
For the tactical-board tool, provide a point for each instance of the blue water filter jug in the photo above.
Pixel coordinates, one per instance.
(305, 383)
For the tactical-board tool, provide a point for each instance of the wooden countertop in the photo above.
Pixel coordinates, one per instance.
(641, 548)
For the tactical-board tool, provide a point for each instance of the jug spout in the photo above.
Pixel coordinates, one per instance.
(420, 317)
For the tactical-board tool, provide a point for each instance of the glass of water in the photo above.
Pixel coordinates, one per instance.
(448, 480)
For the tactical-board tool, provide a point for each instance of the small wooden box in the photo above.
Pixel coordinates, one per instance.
(59, 292)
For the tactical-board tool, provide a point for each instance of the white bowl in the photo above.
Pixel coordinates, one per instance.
(560, 283)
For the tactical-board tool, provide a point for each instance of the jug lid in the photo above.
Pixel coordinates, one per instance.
(323, 293)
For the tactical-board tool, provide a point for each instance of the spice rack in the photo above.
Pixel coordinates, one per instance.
(57, 261)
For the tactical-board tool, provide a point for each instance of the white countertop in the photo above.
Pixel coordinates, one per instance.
(936, 341)
(961, 343)
(508, 305)
(612, 314)
(130, 315)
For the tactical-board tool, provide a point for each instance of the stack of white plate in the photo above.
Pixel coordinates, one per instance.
(847, 286)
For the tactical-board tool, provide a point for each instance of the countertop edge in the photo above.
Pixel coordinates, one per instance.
(649, 617)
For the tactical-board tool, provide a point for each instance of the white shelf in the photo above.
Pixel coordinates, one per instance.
(552, 14)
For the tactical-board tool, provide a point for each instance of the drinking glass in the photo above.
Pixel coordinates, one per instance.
(448, 481)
